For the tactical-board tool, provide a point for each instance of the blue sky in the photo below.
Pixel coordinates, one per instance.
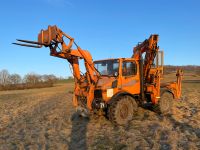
(107, 28)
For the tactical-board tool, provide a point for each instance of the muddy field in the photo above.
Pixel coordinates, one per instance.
(45, 119)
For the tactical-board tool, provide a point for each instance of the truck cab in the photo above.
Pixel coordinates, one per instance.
(119, 75)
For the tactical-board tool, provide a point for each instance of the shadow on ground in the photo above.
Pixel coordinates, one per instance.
(78, 139)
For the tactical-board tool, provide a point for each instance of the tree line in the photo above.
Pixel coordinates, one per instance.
(31, 80)
(189, 68)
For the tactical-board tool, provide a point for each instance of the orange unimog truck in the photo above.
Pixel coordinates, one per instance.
(117, 86)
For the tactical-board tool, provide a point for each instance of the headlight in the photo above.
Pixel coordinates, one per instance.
(109, 92)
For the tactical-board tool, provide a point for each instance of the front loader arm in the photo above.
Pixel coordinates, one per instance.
(54, 38)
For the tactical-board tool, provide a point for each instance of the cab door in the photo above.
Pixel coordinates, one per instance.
(130, 76)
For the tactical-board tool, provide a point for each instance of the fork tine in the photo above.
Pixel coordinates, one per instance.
(31, 42)
(27, 45)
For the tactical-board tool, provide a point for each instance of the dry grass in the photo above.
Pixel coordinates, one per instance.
(45, 119)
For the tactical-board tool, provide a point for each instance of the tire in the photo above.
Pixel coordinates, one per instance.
(121, 111)
(165, 104)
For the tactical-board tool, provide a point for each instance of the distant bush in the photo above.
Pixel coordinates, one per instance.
(71, 80)
(189, 68)
(29, 81)
(23, 86)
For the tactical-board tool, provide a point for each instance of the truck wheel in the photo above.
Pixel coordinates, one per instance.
(121, 111)
(165, 104)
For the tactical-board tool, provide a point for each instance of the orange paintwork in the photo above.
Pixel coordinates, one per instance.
(85, 85)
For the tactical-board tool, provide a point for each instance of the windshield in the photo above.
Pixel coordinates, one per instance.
(107, 67)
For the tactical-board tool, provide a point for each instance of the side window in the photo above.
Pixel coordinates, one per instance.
(129, 68)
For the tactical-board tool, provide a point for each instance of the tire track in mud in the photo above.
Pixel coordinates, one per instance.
(148, 131)
(39, 127)
(51, 123)
(13, 106)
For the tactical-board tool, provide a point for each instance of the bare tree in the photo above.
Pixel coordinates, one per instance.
(4, 77)
(15, 79)
(49, 78)
(70, 77)
(31, 78)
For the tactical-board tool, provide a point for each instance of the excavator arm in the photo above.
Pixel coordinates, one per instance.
(150, 48)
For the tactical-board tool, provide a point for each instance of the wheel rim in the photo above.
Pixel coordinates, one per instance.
(122, 110)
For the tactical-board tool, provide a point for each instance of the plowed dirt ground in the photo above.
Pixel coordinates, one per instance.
(45, 119)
